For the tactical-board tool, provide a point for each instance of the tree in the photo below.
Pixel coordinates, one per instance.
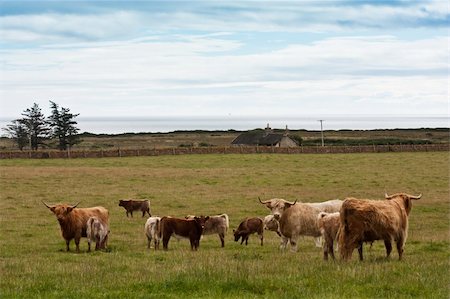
(36, 125)
(62, 126)
(18, 132)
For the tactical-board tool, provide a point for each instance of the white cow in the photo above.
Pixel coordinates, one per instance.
(151, 229)
(97, 231)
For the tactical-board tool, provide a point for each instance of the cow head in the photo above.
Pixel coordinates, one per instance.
(270, 223)
(403, 198)
(201, 221)
(277, 206)
(122, 203)
(62, 212)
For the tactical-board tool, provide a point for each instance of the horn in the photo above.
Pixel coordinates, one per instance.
(46, 204)
(416, 197)
(263, 202)
(76, 205)
(387, 196)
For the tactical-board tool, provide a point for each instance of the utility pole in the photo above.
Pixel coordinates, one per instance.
(321, 130)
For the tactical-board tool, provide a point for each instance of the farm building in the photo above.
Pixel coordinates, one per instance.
(265, 137)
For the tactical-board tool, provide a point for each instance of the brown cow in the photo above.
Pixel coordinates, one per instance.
(185, 228)
(135, 205)
(371, 220)
(73, 220)
(247, 227)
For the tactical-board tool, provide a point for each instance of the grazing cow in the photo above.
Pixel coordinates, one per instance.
(329, 226)
(371, 220)
(270, 223)
(218, 224)
(277, 206)
(97, 232)
(73, 220)
(151, 229)
(135, 205)
(185, 228)
(247, 227)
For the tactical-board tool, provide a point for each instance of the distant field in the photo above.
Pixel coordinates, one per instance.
(33, 262)
(224, 138)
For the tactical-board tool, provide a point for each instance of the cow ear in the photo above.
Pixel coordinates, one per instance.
(207, 217)
(69, 209)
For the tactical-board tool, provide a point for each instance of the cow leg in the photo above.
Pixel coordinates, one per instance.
(283, 243)
(77, 243)
(89, 245)
(318, 242)
(400, 244)
(360, 251)
(67, 245)
(156, 244)
(388, 245)
(166, 242)
(149, 240)
(246, 239)
(261, 236)
(293, 242)
(131, 212)
(222, 239)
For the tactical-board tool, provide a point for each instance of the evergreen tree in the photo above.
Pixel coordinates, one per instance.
(36, 125)
(18, 132)
(63, 127)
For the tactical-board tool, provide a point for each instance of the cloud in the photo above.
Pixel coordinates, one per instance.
(206, 75)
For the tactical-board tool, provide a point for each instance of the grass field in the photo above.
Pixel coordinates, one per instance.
(33, 263)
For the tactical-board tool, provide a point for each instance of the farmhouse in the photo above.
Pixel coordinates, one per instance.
(265, 137)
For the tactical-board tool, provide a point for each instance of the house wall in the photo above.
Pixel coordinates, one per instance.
(287, 142)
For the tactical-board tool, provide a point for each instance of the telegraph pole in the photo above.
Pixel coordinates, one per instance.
(321, 130)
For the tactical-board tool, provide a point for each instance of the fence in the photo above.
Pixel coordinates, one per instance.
(43, 154)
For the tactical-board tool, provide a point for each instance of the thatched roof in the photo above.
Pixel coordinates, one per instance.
(257, 137)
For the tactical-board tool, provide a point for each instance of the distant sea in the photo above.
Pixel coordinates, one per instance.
(116, 125)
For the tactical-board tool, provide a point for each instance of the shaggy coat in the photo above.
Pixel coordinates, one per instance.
(185, 228)
(217, 224)
(371, 220)
(97, 232)
(277, 206)
(151, 229)
(73, 220)
(298, 220)
(135, 205)
(247, 227)
(328, 224)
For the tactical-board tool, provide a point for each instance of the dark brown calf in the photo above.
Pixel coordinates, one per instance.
(247, 227)
(135, 205)
(185, 228)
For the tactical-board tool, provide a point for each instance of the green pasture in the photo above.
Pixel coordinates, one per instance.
(33, 263)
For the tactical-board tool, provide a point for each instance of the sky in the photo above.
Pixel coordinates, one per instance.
(225, 58)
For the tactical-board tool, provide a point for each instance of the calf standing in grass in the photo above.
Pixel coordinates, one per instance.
(97, 232)
(151, 229)
(135, 205)
(185, 228)
(329, 226)
(247, 227)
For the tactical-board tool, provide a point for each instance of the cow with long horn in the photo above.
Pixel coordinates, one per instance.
(73, 220)
(299, 219)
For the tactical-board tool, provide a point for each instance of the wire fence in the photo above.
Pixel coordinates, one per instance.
(136, 152)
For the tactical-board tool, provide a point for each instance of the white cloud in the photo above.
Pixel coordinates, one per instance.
(203, 75)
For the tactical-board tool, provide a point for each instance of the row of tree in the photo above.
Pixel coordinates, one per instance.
(33, 129)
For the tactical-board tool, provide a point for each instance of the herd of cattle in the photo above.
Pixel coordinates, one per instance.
(349, 223)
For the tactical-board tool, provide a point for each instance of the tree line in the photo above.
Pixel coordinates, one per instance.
(35, 130)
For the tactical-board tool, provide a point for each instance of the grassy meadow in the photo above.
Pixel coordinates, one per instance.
(33, 263)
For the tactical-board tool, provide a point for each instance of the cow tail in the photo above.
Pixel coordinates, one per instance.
(159, 228)
(342, 233)
(227, 221)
